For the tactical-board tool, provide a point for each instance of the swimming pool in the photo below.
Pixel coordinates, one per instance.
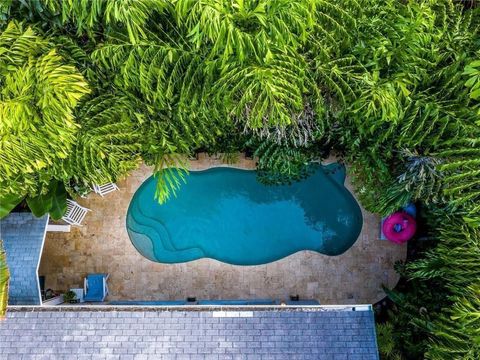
(227, 215)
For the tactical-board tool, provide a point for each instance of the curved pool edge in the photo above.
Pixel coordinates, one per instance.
(356, 275)
(326, 169)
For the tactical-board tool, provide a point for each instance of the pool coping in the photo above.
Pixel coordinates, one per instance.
(206, 162)
(317, 163)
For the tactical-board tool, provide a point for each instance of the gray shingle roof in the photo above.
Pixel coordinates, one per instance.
(23, 236)
(156, 333)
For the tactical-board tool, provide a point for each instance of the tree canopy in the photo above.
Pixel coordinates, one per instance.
(91, 88)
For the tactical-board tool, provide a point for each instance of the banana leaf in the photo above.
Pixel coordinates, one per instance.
(59, 201)
(41, 204)
(8, 203)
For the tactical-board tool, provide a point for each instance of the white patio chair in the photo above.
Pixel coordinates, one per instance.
(75, 213)
(104, 189)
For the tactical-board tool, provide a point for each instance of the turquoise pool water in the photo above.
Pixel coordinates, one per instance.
(227, 215)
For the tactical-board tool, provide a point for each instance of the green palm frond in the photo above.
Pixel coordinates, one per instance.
(336, 76)
(228, 61)
(472, 70)
(170, 172)
(89, 15)
(456, 334)
(455, 258)
(334, 24)
(4, 278)
(283, 163)
(462, 180)
(5, 8)
(411, 74)
(37, 126)
(265, 94)
(243, 28)
(161, 72)
(429, 119)
(454, 331)
(108, 144)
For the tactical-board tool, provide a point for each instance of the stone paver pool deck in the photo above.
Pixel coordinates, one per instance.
(102, 245)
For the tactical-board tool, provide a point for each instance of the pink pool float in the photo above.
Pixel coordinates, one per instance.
(399, 227)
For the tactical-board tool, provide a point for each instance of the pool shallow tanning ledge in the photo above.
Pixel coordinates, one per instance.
(227, 215)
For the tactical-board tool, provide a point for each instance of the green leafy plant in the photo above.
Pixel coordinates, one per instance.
(456, 334)
(4, 278)
(8, 203)
(108, 144)
(472, 70)
(455, 258)
(435, 315)
(420, 180)
(386, 342)
(415, 306)
(53, 202)
(170, 172)
(409, 95)
(69, 296)
(461, 168)
(38, 97)
(44, 145)
(279, 165)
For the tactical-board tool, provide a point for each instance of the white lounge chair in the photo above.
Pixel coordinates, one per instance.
(75, 213)
(104, 189)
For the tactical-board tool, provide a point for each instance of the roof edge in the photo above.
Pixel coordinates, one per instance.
(193, 308)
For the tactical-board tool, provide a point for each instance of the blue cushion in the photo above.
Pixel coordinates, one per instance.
(411, 210)
(95, 290)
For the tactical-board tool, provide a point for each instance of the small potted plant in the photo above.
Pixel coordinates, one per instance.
(70, 297)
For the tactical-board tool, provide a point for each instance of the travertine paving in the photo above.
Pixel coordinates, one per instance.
(102, 245)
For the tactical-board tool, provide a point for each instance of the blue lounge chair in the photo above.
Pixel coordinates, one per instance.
(95, 286)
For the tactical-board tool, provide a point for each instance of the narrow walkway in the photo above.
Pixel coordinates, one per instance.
(102, 245)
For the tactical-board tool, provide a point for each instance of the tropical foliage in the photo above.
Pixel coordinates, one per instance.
(4, 277)
(414, 137)
(91, 88)
(38, 96)
(456, 332)
(436, 314)
(412, 108)
(472, 70)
